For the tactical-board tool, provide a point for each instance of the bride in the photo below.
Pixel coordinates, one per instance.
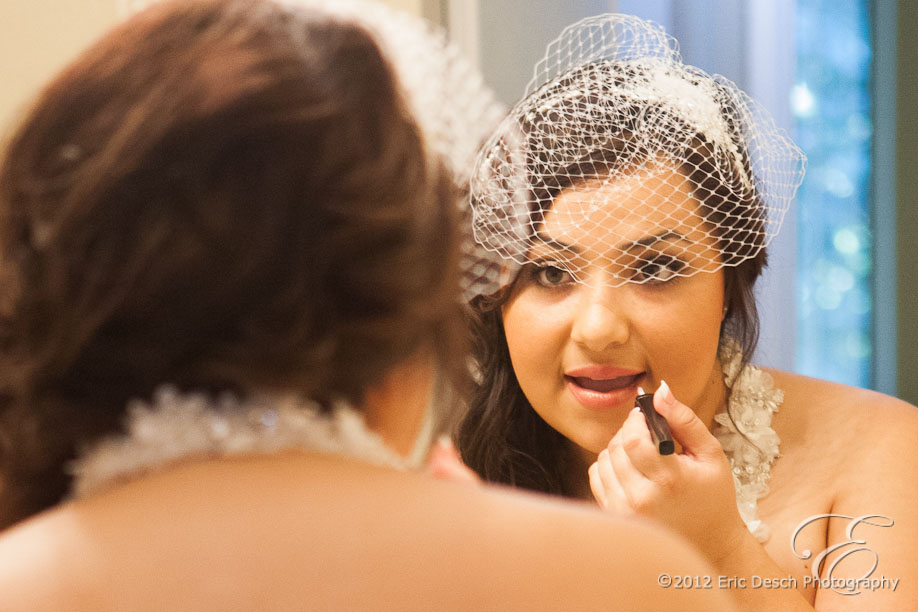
(230, 274)
(629, 266)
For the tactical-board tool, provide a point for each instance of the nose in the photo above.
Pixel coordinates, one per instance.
(601, 321)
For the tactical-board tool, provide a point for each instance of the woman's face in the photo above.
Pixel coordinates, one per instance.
(580, 350)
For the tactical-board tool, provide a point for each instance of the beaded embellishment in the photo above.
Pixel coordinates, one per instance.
(749, 442)
(177, 427)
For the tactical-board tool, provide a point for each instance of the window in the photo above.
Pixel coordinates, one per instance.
(831, 103)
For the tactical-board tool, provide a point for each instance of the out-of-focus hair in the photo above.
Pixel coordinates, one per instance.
(221, 196)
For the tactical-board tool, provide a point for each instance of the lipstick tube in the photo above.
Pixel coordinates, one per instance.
(659, 428)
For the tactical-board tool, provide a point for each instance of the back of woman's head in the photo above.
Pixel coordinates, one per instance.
(220, 196)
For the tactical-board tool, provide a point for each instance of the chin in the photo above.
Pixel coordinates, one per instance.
(594, 445)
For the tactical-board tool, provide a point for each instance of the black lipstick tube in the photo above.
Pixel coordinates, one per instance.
(659, 428)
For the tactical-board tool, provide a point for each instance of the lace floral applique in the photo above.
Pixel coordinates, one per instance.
(749, 442)
(177, 427)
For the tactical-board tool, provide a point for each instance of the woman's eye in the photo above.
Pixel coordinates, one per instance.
(661, 269)
(552, 276)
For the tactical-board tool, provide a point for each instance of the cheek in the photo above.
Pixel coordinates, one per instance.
(535, 339)
(682, 341)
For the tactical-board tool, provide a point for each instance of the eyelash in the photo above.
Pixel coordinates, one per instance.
(537, 268)
(645, 274)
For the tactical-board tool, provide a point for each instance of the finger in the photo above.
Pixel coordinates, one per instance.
(596, 486)
(634, 485)
(686, 427)
(638, 444)
(603, 477)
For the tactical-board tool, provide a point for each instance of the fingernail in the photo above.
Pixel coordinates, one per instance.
(666, 393)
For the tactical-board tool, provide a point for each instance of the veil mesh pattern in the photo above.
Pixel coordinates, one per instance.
(623, 164)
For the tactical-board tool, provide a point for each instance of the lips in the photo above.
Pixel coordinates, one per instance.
(604, 387)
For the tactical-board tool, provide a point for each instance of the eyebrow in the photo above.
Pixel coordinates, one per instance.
(556, 244)
(648, 241)
(645, 242)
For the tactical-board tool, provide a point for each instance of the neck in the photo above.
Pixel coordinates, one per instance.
(577, 481)
(713, 397)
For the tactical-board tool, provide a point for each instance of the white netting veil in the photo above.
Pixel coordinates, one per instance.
(623, 164)
(446, 95)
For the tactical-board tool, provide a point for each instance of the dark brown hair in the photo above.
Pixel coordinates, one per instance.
(218, 195)
(501, 436)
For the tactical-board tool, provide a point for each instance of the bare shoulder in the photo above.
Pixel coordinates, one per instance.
(854, 444)
(856, 448)
(829, 412)
(310, 532)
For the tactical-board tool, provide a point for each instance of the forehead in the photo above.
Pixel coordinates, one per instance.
(603, 213)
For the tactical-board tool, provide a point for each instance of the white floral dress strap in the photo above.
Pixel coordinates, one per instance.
(745, 432)
(176, 427)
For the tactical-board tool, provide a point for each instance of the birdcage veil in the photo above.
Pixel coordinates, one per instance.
(616, 137)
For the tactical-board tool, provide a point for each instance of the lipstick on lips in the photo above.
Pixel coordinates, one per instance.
(600, 387)
(659, 428)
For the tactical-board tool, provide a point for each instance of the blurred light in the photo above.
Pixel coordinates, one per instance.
(837, 183)
(802, 101)
(846, 241)
(859, 127)
(859, 263)
(831, 106)
(820, 268)
(840, 279)
(857, 346)
(827, 298)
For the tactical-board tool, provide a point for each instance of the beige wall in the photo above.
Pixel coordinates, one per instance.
(39, 37)
(412, 6)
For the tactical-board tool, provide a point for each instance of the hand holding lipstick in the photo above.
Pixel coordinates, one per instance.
(659, 428)
(691, 492)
